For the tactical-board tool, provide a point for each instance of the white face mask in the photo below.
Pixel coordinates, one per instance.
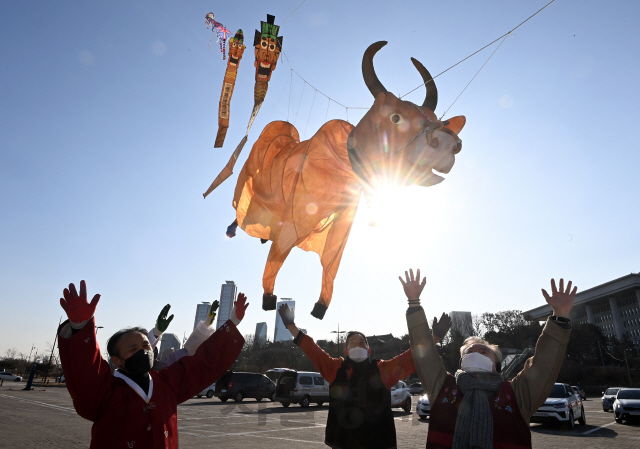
(476, 362)
(358, 354)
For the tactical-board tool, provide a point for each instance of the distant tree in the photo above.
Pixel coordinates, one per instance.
(477, 326)
(583, 344)
(10, 353)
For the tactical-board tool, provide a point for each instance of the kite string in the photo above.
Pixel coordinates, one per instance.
(309, 118)
(290, 89)
(476, 52)
(292, 13)
(346, 108)
(301, 95)
(474, 76)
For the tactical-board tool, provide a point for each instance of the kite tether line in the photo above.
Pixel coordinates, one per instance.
(476, 52)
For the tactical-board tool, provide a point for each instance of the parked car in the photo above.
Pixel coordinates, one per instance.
(275, 373)
(563, 406)
(400, 396)
(580, 392)
(608, 396)
(5, 375)
(301, 387)
(627, 404)
(238, 386)
(416, 388)
(423, 407)
(208, 392)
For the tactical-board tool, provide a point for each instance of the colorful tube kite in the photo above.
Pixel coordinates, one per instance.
(268, 46)
(221, 32)
(236, 49)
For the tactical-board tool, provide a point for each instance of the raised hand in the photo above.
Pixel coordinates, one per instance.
(440, 328)
(413, 287)
(162, 323)
(239, 307)
(76, 306)
(286, 314)
(212, 312)
(561, 300)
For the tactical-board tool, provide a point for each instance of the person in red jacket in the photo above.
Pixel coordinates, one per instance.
(360, 414)
(136, 406)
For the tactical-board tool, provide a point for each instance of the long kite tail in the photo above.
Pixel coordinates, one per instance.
(228, 169)
(259, 92)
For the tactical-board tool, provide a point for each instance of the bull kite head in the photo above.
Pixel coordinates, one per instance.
(398, 142)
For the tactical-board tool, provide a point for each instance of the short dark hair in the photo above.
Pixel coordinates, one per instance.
(113, 340)
(351, 334)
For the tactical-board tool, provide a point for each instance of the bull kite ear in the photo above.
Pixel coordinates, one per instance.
(456, 123)
(257, 37)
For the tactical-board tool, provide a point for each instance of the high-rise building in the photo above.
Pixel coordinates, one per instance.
(168, 344)
(261, 333)
(462, 323)
(201, 312)
(227, 296)
(281, 333)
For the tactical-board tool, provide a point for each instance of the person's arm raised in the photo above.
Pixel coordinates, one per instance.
(87, 374)
(326, 365)
(533, 384)
(429, 365)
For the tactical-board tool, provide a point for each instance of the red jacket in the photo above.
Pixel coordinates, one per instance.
(510, 430)
(121, 417)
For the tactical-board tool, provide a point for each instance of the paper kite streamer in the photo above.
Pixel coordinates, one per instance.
(236, 49)
(221, 32)
(268, 46)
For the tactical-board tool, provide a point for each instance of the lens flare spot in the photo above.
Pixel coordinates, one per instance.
(158, 48)
(86, 57)
(505, 101)
(312, 208)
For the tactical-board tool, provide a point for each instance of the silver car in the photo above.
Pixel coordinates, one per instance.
(5, 375)
(423, 408)
(301, 387)
(608, 397)
(627, 404)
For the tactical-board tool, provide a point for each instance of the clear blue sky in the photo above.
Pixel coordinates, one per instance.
(108, 114)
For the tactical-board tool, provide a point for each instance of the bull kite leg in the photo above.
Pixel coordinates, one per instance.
(332, 254)
(277, 255)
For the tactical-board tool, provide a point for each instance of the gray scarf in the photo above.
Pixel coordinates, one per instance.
(474, 424)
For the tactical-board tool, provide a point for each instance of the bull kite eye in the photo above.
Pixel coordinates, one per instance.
(396, 118)
(264, 44)
(272, 47)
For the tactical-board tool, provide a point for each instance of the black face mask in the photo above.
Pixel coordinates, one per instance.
(140, 362)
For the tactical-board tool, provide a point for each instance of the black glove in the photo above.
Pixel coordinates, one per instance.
(442, 327)
(286, 314)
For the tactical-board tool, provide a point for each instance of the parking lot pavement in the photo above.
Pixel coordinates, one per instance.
(45, 418)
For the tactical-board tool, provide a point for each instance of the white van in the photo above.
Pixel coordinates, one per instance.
(301, 387)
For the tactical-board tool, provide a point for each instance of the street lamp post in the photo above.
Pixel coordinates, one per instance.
(338, 337)
(627, 363)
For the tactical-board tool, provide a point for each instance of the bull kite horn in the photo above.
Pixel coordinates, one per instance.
(368, 72)
(431, 99)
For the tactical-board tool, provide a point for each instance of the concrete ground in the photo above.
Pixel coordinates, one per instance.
(46, 419)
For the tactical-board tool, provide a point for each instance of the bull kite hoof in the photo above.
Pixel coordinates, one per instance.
(269, 301)
(319, 310)
(263, 241)
(231, 229)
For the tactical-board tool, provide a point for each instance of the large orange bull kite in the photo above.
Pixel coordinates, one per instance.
(236, 49)
(305, 194)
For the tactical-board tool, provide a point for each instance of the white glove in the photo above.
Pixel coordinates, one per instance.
(198, 336)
